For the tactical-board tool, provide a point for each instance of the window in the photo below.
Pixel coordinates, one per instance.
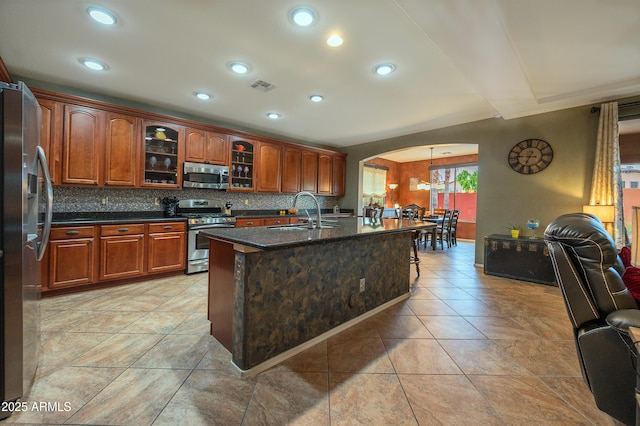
(374, 182)
(455, 187)
(633, 184)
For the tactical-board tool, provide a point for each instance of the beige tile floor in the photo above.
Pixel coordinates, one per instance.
(465, 349)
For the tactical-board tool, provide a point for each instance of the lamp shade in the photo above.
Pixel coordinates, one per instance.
(635, 229)
(393, 186)
(602, 212)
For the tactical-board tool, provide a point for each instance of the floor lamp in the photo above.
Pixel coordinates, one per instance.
(603, 212)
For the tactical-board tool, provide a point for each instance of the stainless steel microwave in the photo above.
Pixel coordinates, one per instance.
(198, 175)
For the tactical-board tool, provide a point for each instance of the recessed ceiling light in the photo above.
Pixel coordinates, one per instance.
(316, 98)
(303, 16)
(102, 16)
(384, 69)
(202, 96)
(239, 67)
(335, 41)
(93, 64)
(273, 115)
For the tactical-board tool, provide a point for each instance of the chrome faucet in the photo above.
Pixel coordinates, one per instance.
(295, 200)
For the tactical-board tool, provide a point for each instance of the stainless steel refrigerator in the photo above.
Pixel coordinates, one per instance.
(25, 216)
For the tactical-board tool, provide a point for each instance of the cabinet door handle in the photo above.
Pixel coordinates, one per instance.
(123, 229)
(168, 227)
(249, 223)
(73, 232)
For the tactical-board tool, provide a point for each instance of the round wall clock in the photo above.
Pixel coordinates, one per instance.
(530, 156)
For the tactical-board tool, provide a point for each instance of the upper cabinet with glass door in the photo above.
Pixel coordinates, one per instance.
(161, 155)
(242, 164)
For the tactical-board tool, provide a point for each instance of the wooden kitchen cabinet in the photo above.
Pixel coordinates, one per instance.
(291, 169)
(83, 145)
(273, 221)
(121, 251)
(71, 257)
(51, 135)
(121, 150)
(325, 162)
(161, 159)
(338, 173)
(269, 167)
(99, 148)
(243, 164)
(309, 176)
(243, 223)
(202, 146)
(167, 247)
(94, 143)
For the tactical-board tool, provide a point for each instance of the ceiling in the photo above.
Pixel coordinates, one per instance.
(456, 61)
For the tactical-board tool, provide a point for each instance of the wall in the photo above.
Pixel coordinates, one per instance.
(400, 173)
(81, 199)
(505, 196)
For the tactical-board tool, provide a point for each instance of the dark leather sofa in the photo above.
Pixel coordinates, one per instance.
(589, 273)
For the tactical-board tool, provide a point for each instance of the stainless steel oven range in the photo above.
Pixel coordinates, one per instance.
(201, 214)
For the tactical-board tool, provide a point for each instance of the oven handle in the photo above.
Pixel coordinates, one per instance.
(209, 226)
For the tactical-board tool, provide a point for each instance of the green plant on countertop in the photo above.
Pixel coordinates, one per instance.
(514, 227)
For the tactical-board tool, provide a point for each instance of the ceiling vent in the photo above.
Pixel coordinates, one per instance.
(263, 86)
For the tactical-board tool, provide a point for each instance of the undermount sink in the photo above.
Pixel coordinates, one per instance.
(297, 227)
(288, 228)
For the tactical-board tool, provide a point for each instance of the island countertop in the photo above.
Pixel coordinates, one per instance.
(278, 237)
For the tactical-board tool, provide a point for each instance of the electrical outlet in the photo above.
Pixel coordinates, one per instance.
(246, 201)
(105, 201)
(361, 285)
(156, 201)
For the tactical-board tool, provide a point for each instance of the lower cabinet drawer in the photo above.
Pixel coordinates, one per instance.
(124, 229)
(243, 223)
(167, 227)
(66, 232)
(270, 221)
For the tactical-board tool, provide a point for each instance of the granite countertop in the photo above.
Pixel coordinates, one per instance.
(267, 238)
(89, 218)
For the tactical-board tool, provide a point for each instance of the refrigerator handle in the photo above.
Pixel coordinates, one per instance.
(42, 158)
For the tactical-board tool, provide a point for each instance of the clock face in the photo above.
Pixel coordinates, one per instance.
(530, 156)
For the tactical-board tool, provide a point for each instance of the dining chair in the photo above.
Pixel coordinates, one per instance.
(412, 212)
(373, 211)
(442, 228)
(450, 232)
(438, 211)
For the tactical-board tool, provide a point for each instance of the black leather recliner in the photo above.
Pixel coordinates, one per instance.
(589, 273)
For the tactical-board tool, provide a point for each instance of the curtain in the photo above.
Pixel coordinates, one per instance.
(374, 182)
(606, 186)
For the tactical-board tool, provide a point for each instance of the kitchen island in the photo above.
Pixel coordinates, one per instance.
(276, 290)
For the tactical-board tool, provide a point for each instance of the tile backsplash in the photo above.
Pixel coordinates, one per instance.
(79, 199)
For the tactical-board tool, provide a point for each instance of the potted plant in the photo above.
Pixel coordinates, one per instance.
(515, 231)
